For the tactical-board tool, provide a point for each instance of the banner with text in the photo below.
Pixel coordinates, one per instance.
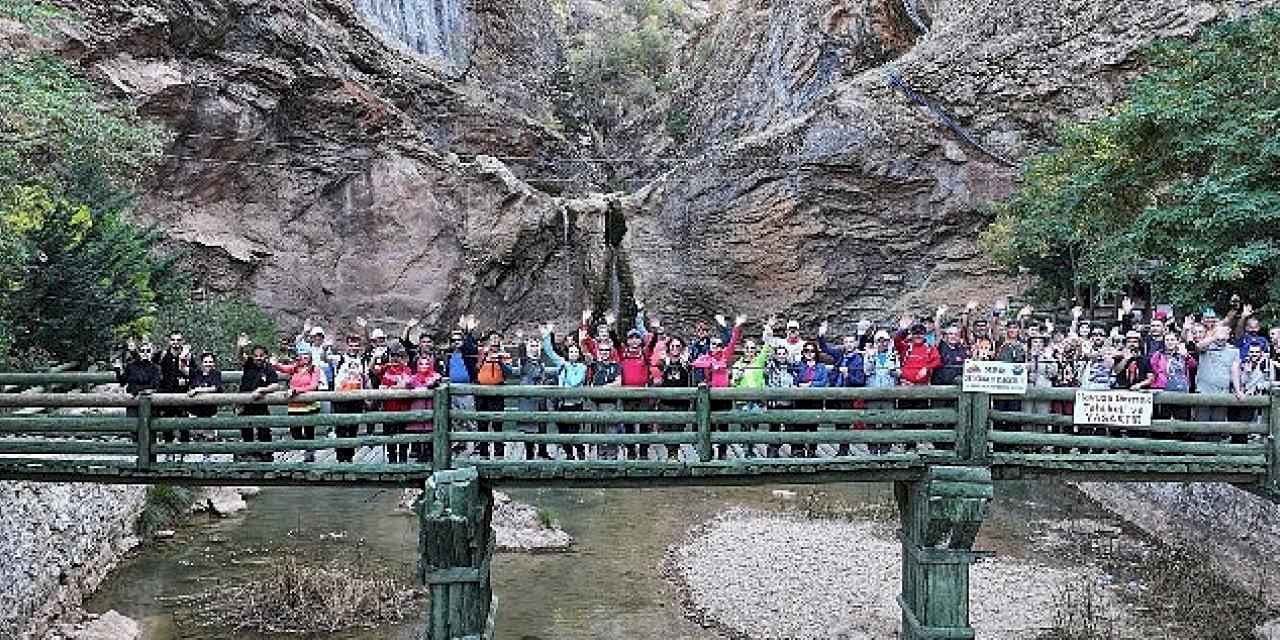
(1114, 408)
(1004, 378)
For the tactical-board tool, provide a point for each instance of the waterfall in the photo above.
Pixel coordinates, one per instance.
(435, 28)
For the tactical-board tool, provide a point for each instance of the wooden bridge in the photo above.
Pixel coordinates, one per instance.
(942, 448)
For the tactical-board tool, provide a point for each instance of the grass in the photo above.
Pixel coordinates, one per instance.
(547, 518)
(1184, 593)
(297, 596)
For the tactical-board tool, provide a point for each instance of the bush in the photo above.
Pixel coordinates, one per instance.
(79, 279)
(165, 507)
(213, 324)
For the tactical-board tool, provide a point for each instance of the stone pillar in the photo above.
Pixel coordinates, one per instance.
(455, 548)
(941, 514)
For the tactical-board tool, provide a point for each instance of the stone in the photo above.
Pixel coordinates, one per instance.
(220, 501)
(109, 626)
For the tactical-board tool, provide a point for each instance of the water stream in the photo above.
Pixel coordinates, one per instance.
(610, 586)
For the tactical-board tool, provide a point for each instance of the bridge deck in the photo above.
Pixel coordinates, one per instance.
(74, 436)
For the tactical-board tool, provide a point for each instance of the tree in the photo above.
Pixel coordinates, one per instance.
(1184, 174)
(80, 279)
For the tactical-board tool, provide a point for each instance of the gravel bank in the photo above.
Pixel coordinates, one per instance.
(769, 576)
(516, 525)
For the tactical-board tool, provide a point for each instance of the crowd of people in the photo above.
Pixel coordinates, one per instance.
(1198, 353)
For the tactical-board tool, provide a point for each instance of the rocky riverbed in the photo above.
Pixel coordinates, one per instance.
(768, 575)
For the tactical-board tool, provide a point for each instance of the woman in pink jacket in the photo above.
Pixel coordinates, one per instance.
(716, 366)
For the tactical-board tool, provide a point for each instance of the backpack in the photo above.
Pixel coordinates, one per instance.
(490, 373)
(458, 369)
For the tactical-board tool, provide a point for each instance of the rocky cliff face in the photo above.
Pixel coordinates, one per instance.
(334, 157)
(59, 542)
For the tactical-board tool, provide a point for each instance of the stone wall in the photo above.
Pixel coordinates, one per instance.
(58, 542)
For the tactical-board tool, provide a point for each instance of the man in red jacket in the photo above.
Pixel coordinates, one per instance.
(919, 360)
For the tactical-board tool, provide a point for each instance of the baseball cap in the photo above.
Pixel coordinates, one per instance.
(635, 333)
(1209, 313)
(1132, 335)
(377, 334)
(317, 331)
(793, 324)
(863, 325)
(918, 329)
(882, 335)
(1161, 315)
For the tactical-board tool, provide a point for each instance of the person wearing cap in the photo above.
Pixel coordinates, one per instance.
(919, 359)
(792, 343)
(351, 374)
(701, 345)
(312, 340)
(1218, 372)
(883, 370)
(1153, 342)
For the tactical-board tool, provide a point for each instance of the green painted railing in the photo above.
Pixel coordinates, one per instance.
(710, 431)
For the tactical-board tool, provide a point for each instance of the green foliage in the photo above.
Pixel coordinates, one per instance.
(165, 507)
(28, 12)
(58, 134)
(622, 69)
(1180, 183)
(78, 279)
(213, 324)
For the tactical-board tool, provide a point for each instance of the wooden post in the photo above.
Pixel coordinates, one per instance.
(964, 427)
(941, 514)
(703, 409)
(455, 546)
(144, 432)
(979, 434)
(1273, 443)
(442, 453)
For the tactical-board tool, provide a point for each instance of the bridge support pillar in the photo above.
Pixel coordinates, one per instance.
(455, 547)
(941, 514)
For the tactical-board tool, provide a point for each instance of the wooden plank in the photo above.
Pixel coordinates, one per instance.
(835, 437)
(319, 444)
(979, 439)
(591, 393)
(282, 421)
(70, 424)
(964, 426)
(58, 447)
(925, 392)
(1158, 426)
(837, 416)
(452, 575)
(679, 437)
(579, 417)
(1131, 444)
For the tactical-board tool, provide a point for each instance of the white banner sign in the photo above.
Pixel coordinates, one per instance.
(1004, 378)
(1114, 408)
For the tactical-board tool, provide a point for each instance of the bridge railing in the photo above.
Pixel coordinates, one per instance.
(1188, 431)
(657, 429)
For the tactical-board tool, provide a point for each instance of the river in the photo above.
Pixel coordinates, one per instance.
(610, 586)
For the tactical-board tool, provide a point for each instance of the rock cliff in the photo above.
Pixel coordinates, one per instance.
(332, 156)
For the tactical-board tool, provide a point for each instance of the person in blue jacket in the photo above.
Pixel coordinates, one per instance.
(848, 370)
(809, 372)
